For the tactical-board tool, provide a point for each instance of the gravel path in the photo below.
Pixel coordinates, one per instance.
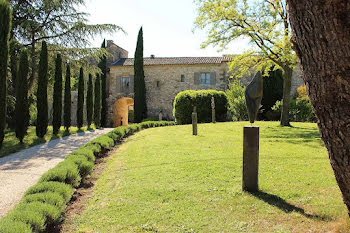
(21, 170)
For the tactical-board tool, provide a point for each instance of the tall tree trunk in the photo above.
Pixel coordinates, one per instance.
(287, 84)
(322, 43)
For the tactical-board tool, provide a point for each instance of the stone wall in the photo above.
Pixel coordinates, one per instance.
(163, 83)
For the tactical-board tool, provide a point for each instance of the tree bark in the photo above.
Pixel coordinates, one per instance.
(322, 42)
(287, 84)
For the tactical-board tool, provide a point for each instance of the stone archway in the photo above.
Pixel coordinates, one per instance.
(121, 111)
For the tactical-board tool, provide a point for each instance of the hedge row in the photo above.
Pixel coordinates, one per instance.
(44, 203)
(186, 100)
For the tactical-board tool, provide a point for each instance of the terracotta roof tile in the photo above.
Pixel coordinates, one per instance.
(172, 61)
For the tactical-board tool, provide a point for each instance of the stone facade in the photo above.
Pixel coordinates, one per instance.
(163, 83)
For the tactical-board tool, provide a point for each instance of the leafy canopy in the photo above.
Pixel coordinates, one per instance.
(264, 22)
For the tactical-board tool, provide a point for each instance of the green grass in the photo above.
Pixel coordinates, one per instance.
(166, 180)
(11, 144)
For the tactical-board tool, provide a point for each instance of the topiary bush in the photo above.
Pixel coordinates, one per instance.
(35, 220)
(65, 172)
(50, 213)
(104, 141)
(84, 165)
(186, 100)
(52, 198)
(9, 225)
(65, 190)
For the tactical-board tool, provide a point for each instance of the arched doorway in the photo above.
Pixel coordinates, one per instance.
(121, 111)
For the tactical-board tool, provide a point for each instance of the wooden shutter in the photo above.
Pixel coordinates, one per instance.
(212, 78)
(118, 84)
(131, 87)
(197, 78)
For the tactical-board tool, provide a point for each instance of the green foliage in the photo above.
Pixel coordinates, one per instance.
(65, 190)
(89, 101)
(140, 105)
(51, 213)
(103, 66)
(131, 116)
(186, 100)
(148, 119)
(52, 198)
(31, 217)
(80, 108)
(8, 225)
(236, 100)
(67, 100)
(88, 151)
(22, 111)
(84, 165)
(300, 110)
(65, 172)
(264, 23)
(97, 102)
(273, 91)
(42, 105)
(57, 96)
(104, 141)
(5, 22)
(11, 97)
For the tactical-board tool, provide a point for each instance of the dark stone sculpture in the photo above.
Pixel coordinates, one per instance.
(253, 95)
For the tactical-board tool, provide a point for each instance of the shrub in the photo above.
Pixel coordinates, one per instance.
(48, 197)
(34, 219)
(95, 148)
(50, 212)
(299, 110)
(63, 189)
(103, 141)
(88, 151)
(85, 167)
(113, 135)
(134, 128)
(186, 100)
(236, 100)
(65, 172)
(149, 119)
(8, 225)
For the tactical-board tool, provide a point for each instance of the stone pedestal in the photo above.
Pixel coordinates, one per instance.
(194, 123)
(250, 158)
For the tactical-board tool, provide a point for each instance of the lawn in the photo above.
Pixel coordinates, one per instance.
(11, 144)
(166, 180)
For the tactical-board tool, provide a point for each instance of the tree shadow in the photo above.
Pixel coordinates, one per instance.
(286, 207)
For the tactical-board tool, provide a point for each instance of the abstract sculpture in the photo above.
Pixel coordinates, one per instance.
(253, 95)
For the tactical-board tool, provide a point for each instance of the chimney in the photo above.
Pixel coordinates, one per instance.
(152, 56)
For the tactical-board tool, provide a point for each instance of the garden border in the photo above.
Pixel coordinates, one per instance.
(44, 203)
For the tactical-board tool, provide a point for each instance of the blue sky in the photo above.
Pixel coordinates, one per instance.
(167, 27)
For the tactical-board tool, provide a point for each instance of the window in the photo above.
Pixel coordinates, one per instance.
(182, 78)
(205, 78)
(126, 83)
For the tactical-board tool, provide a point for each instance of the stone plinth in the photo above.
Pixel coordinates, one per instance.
(250, 158)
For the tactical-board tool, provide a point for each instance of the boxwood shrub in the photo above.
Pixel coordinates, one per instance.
(186, 100)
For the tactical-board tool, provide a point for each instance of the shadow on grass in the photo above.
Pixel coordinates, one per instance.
(286, 207)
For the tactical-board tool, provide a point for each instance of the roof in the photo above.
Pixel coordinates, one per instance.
(148, 61)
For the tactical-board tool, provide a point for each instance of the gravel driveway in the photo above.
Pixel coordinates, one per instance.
(21, 170)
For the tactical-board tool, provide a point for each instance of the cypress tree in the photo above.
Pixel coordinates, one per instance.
(5, 22)
(140, 106)
(80, 108)
(89, 101)
(22, 108)
(97, 104)
(57, 96)
(103, 66)
(42, 118)
(11, 89)
(67, 101)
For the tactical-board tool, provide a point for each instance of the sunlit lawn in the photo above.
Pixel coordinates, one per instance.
(166, 180)
(11, 144)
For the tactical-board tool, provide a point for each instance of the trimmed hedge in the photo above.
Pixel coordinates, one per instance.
(44, 203)
(186, 100)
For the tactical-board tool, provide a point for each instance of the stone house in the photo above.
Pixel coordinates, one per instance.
(165, 77)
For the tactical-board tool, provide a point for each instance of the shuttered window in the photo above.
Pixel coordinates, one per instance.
(205, 78)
